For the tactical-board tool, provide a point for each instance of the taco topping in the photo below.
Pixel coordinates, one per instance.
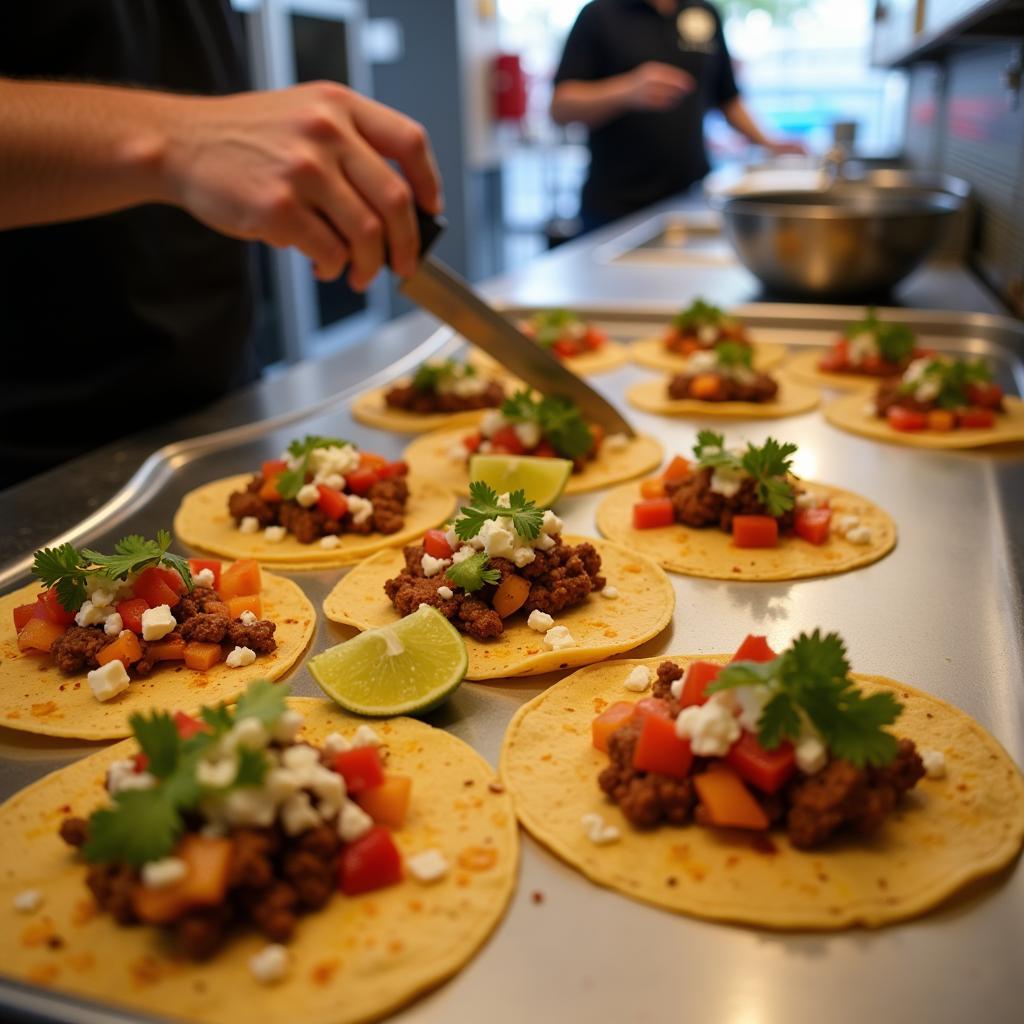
(564, 333)
(229, 819)
(117, 616)
(322, 487)
(785, 741)
(700, 327)
(445, 386)
(872, 347)
(723, 373)
(940, 394)
(502, 555)
(547, 427)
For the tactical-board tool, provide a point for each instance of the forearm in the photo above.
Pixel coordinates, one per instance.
(69, 151)
(590, 103)
(736, 113)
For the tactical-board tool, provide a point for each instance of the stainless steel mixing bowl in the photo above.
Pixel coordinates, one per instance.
(851, 240)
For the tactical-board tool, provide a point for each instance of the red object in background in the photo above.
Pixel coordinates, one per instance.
(509, 88)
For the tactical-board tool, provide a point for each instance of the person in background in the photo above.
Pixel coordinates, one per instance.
(641, 74)
(126, 212)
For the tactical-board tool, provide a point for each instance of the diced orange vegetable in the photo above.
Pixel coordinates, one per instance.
(49, 607)
(22, 613)
(388, 803)
(652, 488)
(678, 469)
(207, 862)
(200, 656)
(705, 386)
(125, 649)
(268, 491)
(614, 717)
(241, 579)
(941, 419)
(371, 460)
(755, 531)
(272, 467)
(727, 802)
(511, 595)
(167, 650)
(247, 603)
(39, 635)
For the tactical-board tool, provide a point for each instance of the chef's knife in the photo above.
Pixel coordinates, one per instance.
(439, 290)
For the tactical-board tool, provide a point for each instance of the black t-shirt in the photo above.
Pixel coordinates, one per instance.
(641, 157)
(115, 323)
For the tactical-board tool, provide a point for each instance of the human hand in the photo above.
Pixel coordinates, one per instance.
(657, 86)
(306, 167)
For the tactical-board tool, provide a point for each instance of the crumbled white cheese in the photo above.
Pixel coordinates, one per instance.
(248, 618)
(157, 622)
(545, 542)
(299, 756)
(934, 762)
(366, 736)
(336, 744)
(101, 598)
(330, 542)
(638, 680)
(203, 578)
(89, 615)
(842, 523)
(287, 727)
(333, 480)
(558, 638)
(863, 346)
(113, 624)
(445, 593)
(240, 657)
(610, 592)
(702, 362)
(158, 874)
(332, 461)
(467, 551)
(859, 535)
(676, 686)
(308, 495)
(491, 422)
(551, 524)
(249, 806)
(217, 772)
(353, 822)
(707, 333)
(274, 534)
(599, 833)
(107, 681)
(249, 733)
(807, 499)
(432, 566)
(711, 727)
(270, 965)
(249, 524)
(540, 621)
(811, 752)
(928, 390)
(298, 814)
(616, 442)
(360, 509)
(123, 774)
(497, 537)
(751, 701)
(726, 481)
(427, 865)
(529, 434)
(523, 557)
(28, 901)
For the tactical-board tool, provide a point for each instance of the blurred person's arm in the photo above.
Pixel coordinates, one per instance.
(736, 113)
(651, 86)
(304, 167)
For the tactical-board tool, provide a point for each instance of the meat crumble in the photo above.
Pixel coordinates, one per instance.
(410, 399)
(697, 505)
(759, 387)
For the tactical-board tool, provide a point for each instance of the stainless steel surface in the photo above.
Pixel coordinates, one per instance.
(439, 290)
(943, 612)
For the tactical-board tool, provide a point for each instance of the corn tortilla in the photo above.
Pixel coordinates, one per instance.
(791, 400)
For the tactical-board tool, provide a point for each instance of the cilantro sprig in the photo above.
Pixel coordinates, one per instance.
(698, 314)
(429, 376)
(144, 825)
(551, 325)
(954, 379)
(733, 354)
(472, 573)
(291, 481)
(69, 569)
(812, 678)
(895, 342)
(560, 421)
(768, 464)
(526, 517)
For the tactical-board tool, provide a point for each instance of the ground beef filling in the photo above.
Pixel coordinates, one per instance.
(409, 399)
(559, 579)
(686, 343)
(307, 525)
(889, 396)
(758, 388)
(811, 808)
(698, 506)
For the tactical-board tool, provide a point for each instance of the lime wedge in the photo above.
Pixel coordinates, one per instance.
(543, 479)
(403, 669)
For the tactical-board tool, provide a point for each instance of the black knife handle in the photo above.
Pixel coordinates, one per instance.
(430, 229)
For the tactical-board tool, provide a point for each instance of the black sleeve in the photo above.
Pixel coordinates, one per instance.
(583, 58)
(723, 86)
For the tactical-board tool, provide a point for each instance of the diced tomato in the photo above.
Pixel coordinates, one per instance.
(726, 801)
(245, 603)
(435, 543)
(390, 469)
(168, 649)
(388, 803)
(332, 502)
(812, 524)
(941, 419)
(369, 863)
(659, 749)
(653, 487)
(988, 396)
(837, 358)
(268, 491)
(240, 579)
(769, 770)
(371, 460)
(197, 565)
(172, 578)
(653, 513)
(361, 768)
(699, 676)
(613, 717)
(154, 589)
(274, 467)
(201, 657)
(594, 338)
(361, 480)
(754, 648)
(651, 706)
(22, 613)
(546, 450)
(973, 417)
(141, 762)
(755, 531)
(50, 608)
(125, 649)
(565, 348)
(471, 442)
(905, 419)
(507, 438)
(188, 725)
(131, 613)
(39, 635)
(678, 469)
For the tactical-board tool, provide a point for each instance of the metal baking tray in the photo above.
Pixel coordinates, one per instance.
(943, 612)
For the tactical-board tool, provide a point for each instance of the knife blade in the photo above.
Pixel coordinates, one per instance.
(436, 288)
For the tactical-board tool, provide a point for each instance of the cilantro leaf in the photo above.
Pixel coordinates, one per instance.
(252, 768)
(290, 482)
(952, 380)
(133, 553)
(698, 314)
(895, 342)
(262, 700)
(549, 327)
(158, 738)
(710, 451)
(559, 420)
(526, 518)
(63, 567)
(779, 720)
(769, 465)
(733, 354)
(429, 375)
(472, 573)
(140, 826)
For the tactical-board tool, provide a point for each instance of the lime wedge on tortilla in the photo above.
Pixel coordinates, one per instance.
(543, 479)
(403, 669)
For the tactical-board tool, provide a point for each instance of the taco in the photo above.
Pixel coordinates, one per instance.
(276, 862)
(441, 393)
(700, 328)
(527, 598)
(865, 352)
(722, 381)
(936, 403)
(544, 427)
(323, 503)
(764, 791)
(742, 515)
(112, 635)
